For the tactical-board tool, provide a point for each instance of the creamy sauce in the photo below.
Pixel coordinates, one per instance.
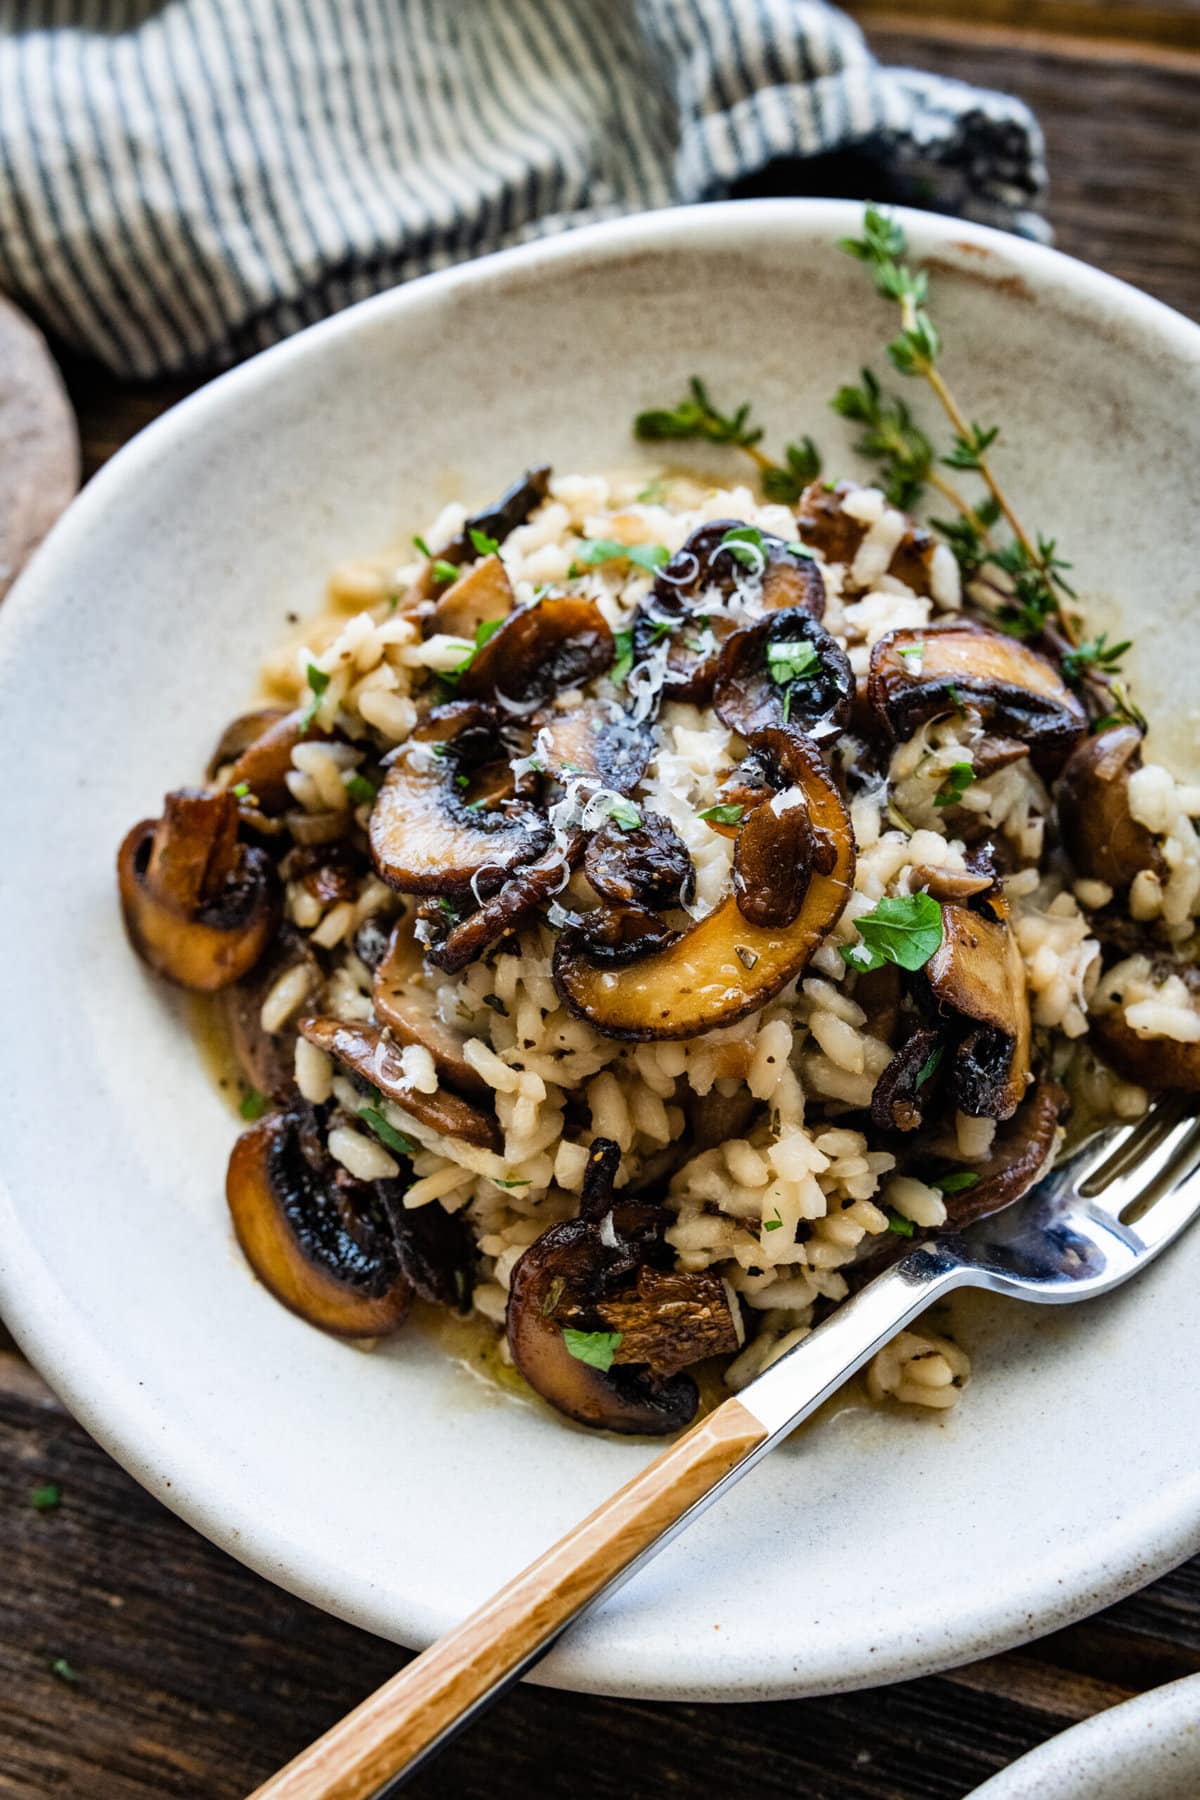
(206, 1021)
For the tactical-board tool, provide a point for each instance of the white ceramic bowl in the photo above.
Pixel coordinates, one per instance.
(395, 1489)
(1148, 1749)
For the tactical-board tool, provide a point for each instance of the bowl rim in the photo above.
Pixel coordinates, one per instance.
(120, 1415)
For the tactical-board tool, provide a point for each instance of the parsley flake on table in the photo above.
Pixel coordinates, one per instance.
(46, 1498)
(62, 1668)
(905, 930)
(596, 1348)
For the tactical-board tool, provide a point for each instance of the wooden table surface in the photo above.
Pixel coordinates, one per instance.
(137, 1661)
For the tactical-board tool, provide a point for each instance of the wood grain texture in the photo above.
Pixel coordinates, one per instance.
(195, 1679)
(411, 1711)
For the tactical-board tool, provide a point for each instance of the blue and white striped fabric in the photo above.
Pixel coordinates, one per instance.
(184, 181)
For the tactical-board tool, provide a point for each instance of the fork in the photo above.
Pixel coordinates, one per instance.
(1099, 1216)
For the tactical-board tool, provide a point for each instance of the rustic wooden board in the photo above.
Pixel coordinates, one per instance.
(195, 1678)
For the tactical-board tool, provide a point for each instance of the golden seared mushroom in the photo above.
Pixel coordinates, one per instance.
(918, 674)
(407, 1006)
(1145, 1021)
(239, 734)
(597, 1324)
(507, 910)
(540, 651)
(322, 1242)
(263, 765)
(722, 558)
(1021, 1154)
(480, 531)
(784, 670)
(424, 835)
(724, 966)
(617, 933)
(823, 522)
(977, 975)
(909, 1084)
(647, 865)
(1103, 839)
(368, 1053)
(199, 906)
(288, 975)
(778, 852)
(482, 597)
(597, 740)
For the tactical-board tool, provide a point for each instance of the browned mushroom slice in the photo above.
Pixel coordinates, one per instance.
(786, 669)
(616, 934)
(496, 522)
(908, 1084)
(823, 522)
(538, 652)
(321, 1242)
(977, 973)
(435, 1249)
(715, 560)
(597, 739)
(966, 664)
(267, 1058)
(508, 909)
(408, 1008)
(199, 906)
(558, 1284)
(240, 733)
(1102, 838)
(481, 597)
(1021, 1153)
(368, 1053)
(266, 762)
(723, 967)
(1153, 1061)
(670, 1320)
(777, 854)
(950, 884)
(648, 866)
(424, 836)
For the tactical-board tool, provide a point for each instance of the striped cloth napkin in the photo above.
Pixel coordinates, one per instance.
(184, 181)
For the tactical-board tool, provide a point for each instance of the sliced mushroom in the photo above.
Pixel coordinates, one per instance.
(240, 733)
(497, 521)
(508, 909)
(648, 866)
(1159, 990)
(480, 597)
(1021, 1153)
(1102, 838)
(540, 651)
(823, 522)
(435, 1249)
(723, 967)
(199, 906)
(561, 1281)
(950, 884)
(754, 687)
(267, 1059)
(266, 761)
(778, 852)
(616, 934)
(424, 836)
(967, 664)
(707, 565)
(320, 1241)
(909, 1083)
(978, 975)
(408, 1008)
(369, 1054)
(669, 1321)
(596, 739)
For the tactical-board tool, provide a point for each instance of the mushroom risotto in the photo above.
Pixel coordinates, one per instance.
(651, 905)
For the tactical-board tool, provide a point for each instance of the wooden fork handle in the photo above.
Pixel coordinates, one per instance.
(411, 1712)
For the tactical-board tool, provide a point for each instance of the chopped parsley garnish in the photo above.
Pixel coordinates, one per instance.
(445, 571)
(554, 1294)
(423, 547)
(654, 492)
(483, 544)
(625, 814)
(958, 780)
(318, 681)
(46, 1498)
(601, 550)
(957, 1182)
(515, 1181)
(253, 1104)
(930, 1066)
(795, 659)
(387, 1134)
(912, 652)
(62, 1668)
(955, 698)
(772, 1224)
(900, 1225)
(596, 1348)
(745, 544)
(624, 659)
(485, 631)
(360, 789)
(241, 790)
(725, 814)
(905, 930)
(795, 548)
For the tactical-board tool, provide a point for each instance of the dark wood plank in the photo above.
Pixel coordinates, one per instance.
(1148, 23)
(196, 1678)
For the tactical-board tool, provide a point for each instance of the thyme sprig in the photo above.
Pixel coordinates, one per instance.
(1030, 562)
(697, 418)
